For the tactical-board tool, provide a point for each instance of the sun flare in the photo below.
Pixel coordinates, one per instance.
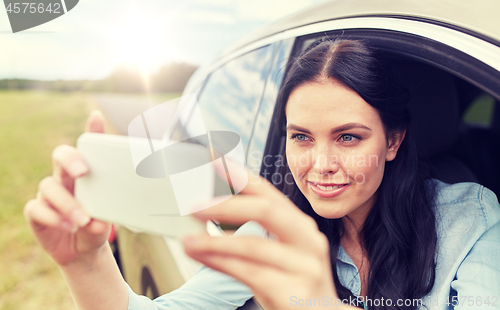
(141, 43)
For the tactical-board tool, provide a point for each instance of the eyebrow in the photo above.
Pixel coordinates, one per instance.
(334, 130)
(349, 126)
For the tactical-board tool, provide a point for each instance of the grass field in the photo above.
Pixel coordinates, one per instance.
(32, 123)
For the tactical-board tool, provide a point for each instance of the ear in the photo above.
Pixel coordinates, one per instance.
(393, 144)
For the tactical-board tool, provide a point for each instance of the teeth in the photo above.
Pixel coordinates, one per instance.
(328, 188)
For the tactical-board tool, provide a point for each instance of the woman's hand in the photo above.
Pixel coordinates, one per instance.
(58, 221)
(295, 266)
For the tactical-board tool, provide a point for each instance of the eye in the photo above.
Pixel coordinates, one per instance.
(348, 138)
(299, 137)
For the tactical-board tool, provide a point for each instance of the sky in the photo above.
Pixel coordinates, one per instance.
(97, 36)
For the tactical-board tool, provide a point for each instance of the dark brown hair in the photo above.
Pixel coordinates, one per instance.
(399, 234)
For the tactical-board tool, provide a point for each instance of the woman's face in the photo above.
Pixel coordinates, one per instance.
(336, 148)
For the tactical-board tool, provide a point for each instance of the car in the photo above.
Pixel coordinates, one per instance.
(447, 53)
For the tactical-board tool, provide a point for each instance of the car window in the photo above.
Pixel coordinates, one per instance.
(266, 109)
(230, 97)
(229, 101)
(470, 151)
(185, 111)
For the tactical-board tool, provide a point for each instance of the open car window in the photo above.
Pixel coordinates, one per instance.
(453, 105)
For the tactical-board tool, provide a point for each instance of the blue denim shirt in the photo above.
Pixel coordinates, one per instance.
(467, 271)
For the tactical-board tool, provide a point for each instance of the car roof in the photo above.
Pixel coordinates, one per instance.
(478, 17)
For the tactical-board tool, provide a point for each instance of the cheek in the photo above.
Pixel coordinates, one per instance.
(364, 165)
(298, 160)
(369, 174)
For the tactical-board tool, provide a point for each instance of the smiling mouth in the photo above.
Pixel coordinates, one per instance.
(328, 190)
(328, 187)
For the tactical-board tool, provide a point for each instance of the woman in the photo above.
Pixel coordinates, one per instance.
(368, 224)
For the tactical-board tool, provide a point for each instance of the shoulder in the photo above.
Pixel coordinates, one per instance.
(468, 226)
(466, 203)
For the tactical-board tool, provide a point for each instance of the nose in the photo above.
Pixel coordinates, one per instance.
(325, 161)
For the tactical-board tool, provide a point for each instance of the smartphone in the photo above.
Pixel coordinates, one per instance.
(129, 183)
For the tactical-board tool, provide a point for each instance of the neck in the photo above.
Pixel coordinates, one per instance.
(354, 221)
(351, 231)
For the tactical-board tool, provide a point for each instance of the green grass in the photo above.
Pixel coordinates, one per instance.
(481, 111)
(32, 123)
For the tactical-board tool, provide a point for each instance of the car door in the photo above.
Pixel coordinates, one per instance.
(229, 98)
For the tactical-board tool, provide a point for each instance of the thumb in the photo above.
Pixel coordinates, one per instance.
(95, 122)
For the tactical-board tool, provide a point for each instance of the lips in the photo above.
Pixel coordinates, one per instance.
(328, 190)
(328, 187)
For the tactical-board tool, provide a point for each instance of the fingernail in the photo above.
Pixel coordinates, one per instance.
(80, 217)
(78, 168)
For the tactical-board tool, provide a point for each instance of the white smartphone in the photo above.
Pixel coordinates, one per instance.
(115, 191)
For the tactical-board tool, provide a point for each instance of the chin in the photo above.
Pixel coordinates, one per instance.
(329, 210)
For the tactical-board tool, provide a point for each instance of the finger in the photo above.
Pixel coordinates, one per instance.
(283, 219)
(68, 164)
(95, 122)
(97, 227)
(261, 279)
(65, 203)
(40, 212)
(254, 249)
